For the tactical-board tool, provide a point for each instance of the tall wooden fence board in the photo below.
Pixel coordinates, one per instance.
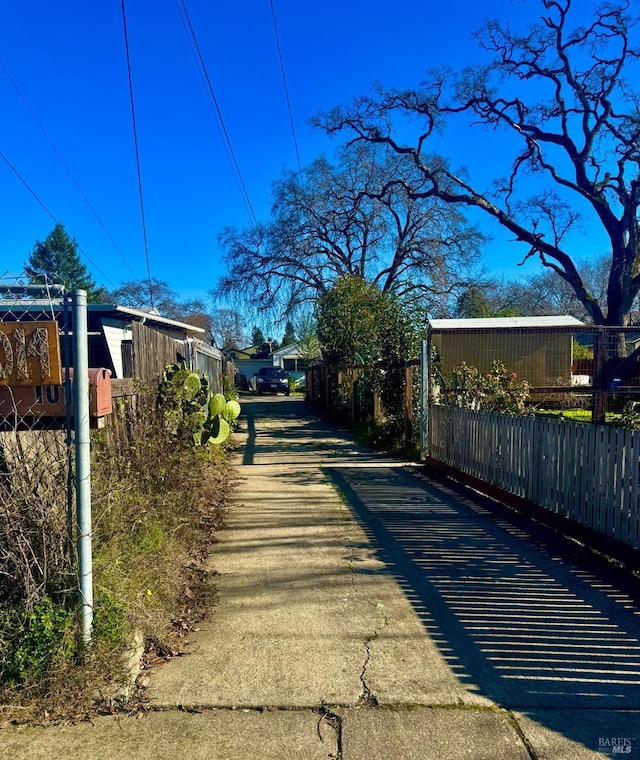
(587, 473)
(152, 351)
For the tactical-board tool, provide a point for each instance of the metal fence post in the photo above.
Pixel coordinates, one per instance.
(425, 380)
(83, 461)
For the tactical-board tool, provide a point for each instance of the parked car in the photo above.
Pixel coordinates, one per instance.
(272, 379)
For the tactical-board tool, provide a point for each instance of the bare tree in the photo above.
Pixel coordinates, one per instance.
(337, 220)
(561, 90)
(542, 294)
(227, 327)
(154, 294)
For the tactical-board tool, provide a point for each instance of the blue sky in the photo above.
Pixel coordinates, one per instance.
(68, 60)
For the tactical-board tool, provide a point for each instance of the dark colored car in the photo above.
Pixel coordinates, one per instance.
(272, 379)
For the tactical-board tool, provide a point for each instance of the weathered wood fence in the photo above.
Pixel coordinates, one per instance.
(147, 355)
(587, 473)
(343, 394)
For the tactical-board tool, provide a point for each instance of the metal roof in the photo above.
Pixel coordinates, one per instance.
(39, 305)
(151, 317)
(487, 323)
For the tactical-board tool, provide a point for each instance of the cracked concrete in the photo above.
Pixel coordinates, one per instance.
(366, 697)
(319, 646)
(303, 596)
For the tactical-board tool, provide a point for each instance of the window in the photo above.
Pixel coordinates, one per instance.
(295, 365)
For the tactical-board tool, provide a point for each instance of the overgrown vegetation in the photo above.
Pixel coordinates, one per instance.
(358, 324)
(630, 417)
(496, 391)
(157, 502)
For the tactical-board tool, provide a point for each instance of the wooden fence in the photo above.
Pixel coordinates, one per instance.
(587, 473)
(343, 394)
(152, 351)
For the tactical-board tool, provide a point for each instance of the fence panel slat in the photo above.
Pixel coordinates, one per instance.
(587, 473)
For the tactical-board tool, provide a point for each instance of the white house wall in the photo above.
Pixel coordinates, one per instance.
(115, 332)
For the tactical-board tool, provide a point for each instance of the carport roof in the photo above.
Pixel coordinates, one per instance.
(488, 323)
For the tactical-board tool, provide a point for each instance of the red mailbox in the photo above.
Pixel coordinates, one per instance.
(100, 392)
(40, 401)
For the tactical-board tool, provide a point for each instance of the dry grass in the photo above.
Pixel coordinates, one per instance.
(157, 504)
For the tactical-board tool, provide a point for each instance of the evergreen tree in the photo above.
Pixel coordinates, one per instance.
(56, 261)
(257, 336)
(289, 336)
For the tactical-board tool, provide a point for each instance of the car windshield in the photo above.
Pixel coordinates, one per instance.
(272, 372)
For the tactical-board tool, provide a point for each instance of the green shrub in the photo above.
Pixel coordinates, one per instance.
(46, 635)
(630, 417)
(495, 391)
(110, 627)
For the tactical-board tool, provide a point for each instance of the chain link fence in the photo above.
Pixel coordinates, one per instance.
(578, 367)
(36, 450)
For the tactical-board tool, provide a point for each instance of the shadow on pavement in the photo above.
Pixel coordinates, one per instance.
(515, 617)
(510, 611)
(521, 615)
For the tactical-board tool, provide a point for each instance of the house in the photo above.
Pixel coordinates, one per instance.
(291, 359)
(249, 360)
(129, 342)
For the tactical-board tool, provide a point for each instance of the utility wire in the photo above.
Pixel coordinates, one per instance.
(286, 88)
(64, 164)
(212, 104)
(219, 113)
(24, 182)
(135, 140)
(33, 192)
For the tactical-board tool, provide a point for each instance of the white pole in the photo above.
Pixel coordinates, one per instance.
(83, 461)
(425, 389)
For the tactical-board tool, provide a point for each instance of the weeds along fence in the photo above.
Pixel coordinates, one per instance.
(37, 521)
(587, 473)
(36, 452)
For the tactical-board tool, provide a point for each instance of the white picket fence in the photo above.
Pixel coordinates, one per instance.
(588, 473)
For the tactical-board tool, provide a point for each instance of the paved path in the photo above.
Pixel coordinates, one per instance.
(366, 612)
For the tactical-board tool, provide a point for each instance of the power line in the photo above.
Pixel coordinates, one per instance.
(41, 202)
(219, 114)
(212, 105)
(286, 88)
(24, 182)
(64, 164)
(135, 140)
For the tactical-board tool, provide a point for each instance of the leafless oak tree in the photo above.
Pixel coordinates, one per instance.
(564, 92)
(337, 220)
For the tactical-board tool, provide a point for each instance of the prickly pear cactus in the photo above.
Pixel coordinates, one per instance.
(189, 408)
(217, 404)
(231, 410)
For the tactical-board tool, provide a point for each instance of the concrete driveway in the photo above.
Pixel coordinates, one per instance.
(365, 611)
